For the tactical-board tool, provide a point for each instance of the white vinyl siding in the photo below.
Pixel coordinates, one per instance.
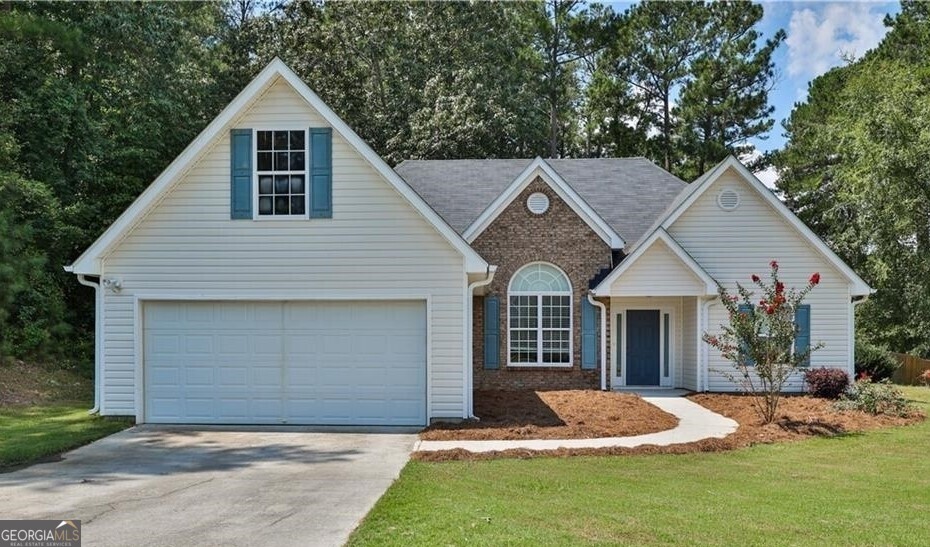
(690, 344)
(375, 244)
(658, 272)
(732, 245)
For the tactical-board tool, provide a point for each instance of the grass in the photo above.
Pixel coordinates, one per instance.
(43, 412)
(28, 434)
(871, 488)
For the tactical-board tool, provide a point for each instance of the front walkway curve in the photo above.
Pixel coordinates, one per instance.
(695, 423)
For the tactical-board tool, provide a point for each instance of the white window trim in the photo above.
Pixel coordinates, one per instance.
(539, 330)
(305, 172)
(619, 362)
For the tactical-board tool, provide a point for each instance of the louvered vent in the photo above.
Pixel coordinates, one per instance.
(538, 203)
(728, 199)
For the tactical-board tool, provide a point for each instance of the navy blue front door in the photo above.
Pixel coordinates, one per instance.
(642, 348)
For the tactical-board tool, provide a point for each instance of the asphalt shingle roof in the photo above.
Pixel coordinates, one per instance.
(628, 193)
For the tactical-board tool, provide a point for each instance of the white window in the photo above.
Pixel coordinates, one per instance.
(540, 317)
(281, 173)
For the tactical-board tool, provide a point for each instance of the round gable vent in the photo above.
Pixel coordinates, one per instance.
(728, 199)
(537, 203)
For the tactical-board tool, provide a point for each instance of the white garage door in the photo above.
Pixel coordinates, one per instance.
(326, 363)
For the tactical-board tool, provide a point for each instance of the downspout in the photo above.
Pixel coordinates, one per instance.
(856, 300)
(603, 309)
(470, 346)
(704, 378)
(98, 338)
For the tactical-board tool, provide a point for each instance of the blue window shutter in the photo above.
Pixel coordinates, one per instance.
(588, 335)
(240, 189)
(492, 328)
(321, 172)
(802, 322)
(743, 348)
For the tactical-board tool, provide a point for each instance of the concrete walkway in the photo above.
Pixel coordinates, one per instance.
(695, 423)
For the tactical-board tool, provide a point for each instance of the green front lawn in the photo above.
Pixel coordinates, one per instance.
(871, 488)
(30, 433)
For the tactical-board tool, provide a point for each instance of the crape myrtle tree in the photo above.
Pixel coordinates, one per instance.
(759, 340)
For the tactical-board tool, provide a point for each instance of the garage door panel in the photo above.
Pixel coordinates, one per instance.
(339, 363)
(198, 375)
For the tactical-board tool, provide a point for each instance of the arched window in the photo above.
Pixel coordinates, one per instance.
(539, 315)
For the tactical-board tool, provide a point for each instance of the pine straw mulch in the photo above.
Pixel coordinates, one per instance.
(571, 414)
(801, 417)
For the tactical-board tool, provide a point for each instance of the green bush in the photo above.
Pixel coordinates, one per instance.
(875, 398)
(874, 361)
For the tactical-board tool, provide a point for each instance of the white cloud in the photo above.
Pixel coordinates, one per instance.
(819, 38)
(767, 176)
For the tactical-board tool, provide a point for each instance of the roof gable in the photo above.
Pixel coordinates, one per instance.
(90, 261)
(539, 168)
(701, 185)
(627, 193)
(655, 252)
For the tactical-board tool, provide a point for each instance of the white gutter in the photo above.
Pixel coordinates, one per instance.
(704, 376)
(855, 300)
(603, 339)
(98, 339)
(469, 346)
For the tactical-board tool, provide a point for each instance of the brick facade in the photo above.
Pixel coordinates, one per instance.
(515, 238)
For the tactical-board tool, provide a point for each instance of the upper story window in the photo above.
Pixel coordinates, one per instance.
(540, 317)
(281, 172)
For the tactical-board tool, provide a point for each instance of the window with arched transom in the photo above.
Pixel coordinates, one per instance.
(539, 317)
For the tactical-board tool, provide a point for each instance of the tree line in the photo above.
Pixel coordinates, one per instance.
(856, 169)
(97, 98)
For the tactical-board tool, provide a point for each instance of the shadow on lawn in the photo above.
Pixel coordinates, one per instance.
(816, 428)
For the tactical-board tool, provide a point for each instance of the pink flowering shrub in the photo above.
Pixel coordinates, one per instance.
(759, 340)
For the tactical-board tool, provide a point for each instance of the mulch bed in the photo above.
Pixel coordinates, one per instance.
(574, 414)
(800, 417)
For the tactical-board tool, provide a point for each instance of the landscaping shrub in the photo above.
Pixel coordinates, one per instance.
(875, 398)
(925, 377)
(826, 383)
(874, 361)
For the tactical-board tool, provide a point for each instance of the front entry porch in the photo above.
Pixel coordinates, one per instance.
(654, 342)
(657, 297)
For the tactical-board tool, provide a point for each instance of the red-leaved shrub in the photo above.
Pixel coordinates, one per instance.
(826, 383)
(925, 377)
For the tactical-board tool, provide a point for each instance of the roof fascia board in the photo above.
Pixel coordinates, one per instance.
(90, 261)
(710, 284)
(859, 286)
(540, 167)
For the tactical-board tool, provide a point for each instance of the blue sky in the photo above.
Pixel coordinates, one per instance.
(820, 34)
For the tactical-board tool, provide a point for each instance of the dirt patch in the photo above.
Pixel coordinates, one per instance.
(571, 414)
(800, 417)
(27, 384)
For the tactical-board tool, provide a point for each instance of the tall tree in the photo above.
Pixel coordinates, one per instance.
(96, 99)
(724, 102)
(855, 165)
(421, 79)
(653, 56)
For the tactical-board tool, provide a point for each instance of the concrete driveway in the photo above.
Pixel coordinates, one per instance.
(176, 486)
